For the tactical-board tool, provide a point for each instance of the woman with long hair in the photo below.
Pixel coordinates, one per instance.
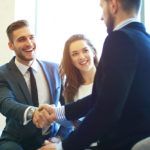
(78, 67)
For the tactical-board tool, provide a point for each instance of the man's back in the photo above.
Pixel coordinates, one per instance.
(129, 90)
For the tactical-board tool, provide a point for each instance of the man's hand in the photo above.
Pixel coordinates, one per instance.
(48, 146)
(44, 116)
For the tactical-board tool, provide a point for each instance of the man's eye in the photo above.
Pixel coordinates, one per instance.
(32, 38)
(21, 39)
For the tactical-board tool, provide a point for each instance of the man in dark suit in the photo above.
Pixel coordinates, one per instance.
(117, 112)
(15, 91)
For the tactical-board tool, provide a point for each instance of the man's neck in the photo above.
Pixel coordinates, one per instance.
(125, 22)
(26, 63)
(122, 16)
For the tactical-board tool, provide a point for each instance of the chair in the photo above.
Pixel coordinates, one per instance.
(2, 123)
(142, 145)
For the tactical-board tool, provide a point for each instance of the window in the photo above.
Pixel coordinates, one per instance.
(146, 14)
(26, 10)
(55, 21)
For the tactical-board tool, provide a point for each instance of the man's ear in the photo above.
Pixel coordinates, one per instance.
(11, 45)
(114, 6)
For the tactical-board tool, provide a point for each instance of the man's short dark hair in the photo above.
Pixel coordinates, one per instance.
(131, 5)
(14, 26)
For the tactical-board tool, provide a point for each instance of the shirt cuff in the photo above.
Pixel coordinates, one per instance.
(26, 119)
(60, 113)
(59, 146)
(25, 122)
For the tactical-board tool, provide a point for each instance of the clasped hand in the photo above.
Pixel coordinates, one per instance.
(44, 115)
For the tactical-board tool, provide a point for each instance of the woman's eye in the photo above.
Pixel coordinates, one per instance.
(74, 54)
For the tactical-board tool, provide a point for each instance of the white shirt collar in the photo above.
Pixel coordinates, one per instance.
(23, 68)
(35, 65)
(125, 22)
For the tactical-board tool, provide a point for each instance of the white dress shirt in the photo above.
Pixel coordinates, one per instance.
(42, 86)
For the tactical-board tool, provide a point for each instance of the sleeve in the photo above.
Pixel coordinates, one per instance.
(9, 106)
(78, 109)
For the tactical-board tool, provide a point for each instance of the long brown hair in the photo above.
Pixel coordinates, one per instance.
(69, 73)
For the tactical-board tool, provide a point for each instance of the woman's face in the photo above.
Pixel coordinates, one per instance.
(82, 55)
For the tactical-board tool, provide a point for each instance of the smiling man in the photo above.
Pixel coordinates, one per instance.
(18, 100)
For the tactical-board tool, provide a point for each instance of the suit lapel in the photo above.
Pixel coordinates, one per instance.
(19, 80)
(49, 79)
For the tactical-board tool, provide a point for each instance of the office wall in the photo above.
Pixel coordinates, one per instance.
(7, 8)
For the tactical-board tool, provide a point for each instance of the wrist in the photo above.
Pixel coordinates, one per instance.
(30, 113)
(60, 113)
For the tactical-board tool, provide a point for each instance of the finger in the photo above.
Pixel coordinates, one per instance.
(46, 142)
(39, 120)
(43, 106)
(48, 108)
(43, 119)
(48, 116)
(50, 146)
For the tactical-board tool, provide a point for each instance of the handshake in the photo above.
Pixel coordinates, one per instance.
(44, 115)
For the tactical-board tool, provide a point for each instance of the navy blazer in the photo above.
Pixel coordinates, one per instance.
(118, 111)
(15, 98)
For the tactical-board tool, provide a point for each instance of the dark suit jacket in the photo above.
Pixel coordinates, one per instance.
(118, 111)
(15, 98)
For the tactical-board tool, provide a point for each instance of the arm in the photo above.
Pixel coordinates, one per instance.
(78, 109)
(8, 101)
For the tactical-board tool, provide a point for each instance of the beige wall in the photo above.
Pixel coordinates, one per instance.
(6, 17)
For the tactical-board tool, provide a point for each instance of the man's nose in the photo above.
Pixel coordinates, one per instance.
(29, 42)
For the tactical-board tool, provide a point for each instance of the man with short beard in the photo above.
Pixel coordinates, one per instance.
(17, 100)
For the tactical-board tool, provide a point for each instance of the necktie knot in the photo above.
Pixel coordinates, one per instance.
(30, 69)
